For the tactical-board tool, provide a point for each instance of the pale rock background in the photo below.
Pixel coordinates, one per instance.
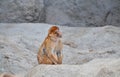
(88, 51)
(95, 68)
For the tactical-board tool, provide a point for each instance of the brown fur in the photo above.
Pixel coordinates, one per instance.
(7, 75)
(50, 51)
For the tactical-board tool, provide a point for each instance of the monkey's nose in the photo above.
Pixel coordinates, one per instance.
(60, 36)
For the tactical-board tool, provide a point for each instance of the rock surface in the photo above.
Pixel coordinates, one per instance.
(22, 11)
(62, 12)
(95, 68)
(19, 44)
(83, 12)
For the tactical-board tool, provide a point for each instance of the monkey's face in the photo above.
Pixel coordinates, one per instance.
(57, 33)
(54, 32)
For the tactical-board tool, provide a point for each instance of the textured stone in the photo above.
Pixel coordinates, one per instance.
(22, 11)
(19, 44)
(95, 68)
(83, 12)
(62, 12)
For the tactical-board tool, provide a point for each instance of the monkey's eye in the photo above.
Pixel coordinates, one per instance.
(55, 32)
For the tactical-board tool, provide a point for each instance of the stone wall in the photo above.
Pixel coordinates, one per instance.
(61, 12)
(21, 11)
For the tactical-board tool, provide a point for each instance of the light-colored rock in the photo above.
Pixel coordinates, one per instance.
(19, 44)
(98, 42)
(95, 68)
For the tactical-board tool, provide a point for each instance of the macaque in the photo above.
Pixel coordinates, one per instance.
(50, 52)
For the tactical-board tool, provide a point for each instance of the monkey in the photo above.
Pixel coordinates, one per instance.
(50, 51)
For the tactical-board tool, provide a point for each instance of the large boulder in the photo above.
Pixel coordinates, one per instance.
(95, 68)
(19, 44)
(83, 12)
(62, 12)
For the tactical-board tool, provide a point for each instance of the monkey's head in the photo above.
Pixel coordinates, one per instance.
(54, 32)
